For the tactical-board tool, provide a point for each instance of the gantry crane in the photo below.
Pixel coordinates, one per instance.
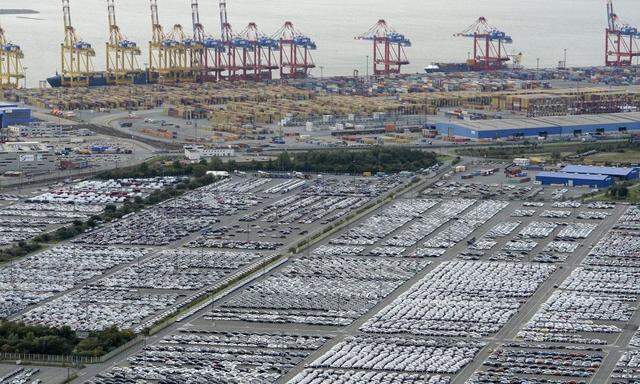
(169, 60)
(225, 31)
(622, 42)
(157, 60)
(11, 70)
(489, 52)
(232, 45)
(122, 54)
(178, 49)
(206, 51)
(77, 65)
(257, 54)
(388, 48)
(295, 52)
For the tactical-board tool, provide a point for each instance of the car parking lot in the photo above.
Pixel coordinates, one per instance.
(461, 299)
(15, 374)
(344, 289)
(59, 269)
(496, 287)
(195, 356)
(96, 281)
(44, 210)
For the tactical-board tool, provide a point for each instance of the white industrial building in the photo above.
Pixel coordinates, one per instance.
(27, 157)
(199, 152)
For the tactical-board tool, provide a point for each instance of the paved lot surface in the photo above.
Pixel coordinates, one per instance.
(47, 375)
(468, 286)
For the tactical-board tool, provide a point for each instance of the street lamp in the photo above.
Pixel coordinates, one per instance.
(367, 67)
(24, 71)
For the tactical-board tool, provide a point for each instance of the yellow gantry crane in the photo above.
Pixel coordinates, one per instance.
(157, 62)
(122, 54)
(11, 69)
(169, 54)
(77, 65)
(179, 55)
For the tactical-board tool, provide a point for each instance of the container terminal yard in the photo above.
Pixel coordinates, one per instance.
(137, 203)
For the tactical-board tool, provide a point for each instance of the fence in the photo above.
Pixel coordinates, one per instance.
(54, 359)
(67, 359)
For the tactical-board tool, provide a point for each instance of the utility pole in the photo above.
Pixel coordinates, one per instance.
(367, 68)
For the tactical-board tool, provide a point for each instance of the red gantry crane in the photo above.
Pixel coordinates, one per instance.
(388, 48)
(489, 51)
(295, 52)
(206, 52)
(258, 53)
(622, 42)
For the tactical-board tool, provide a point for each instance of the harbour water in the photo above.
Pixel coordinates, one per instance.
(540, 28)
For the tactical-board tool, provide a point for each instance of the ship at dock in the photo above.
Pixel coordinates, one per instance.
(95, 80)
(447, 67)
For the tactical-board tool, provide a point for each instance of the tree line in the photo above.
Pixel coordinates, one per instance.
(374, 159)
(36, 339)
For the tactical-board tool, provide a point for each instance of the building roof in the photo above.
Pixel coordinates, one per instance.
(611, 171)
(23, 147)
(548, 122)
(574, 176)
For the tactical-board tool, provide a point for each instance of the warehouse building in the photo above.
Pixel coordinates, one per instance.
(11, 114)
(199, 152)
(542, 126)
(27, 157)
(618, 173)
(574, 179)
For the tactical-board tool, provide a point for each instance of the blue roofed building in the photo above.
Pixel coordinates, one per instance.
(620, 173)
(574, 179)
(542, 126)
(11, 114)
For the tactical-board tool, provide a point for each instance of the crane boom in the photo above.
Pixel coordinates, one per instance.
(69, 32)
(157, 33)
(111, 9)
(611, 15)
(115, 37)
(198, 28)
(195, 13)
(224, 22)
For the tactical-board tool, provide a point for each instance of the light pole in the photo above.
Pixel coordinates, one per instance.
(367, 67)
(24, 70)
(322, 72)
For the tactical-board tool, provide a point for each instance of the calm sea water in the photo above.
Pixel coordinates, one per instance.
(540, 28)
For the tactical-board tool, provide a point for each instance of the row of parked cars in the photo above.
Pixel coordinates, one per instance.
(188, 357)
(344, 288)
(42, 275)
(461, 299)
